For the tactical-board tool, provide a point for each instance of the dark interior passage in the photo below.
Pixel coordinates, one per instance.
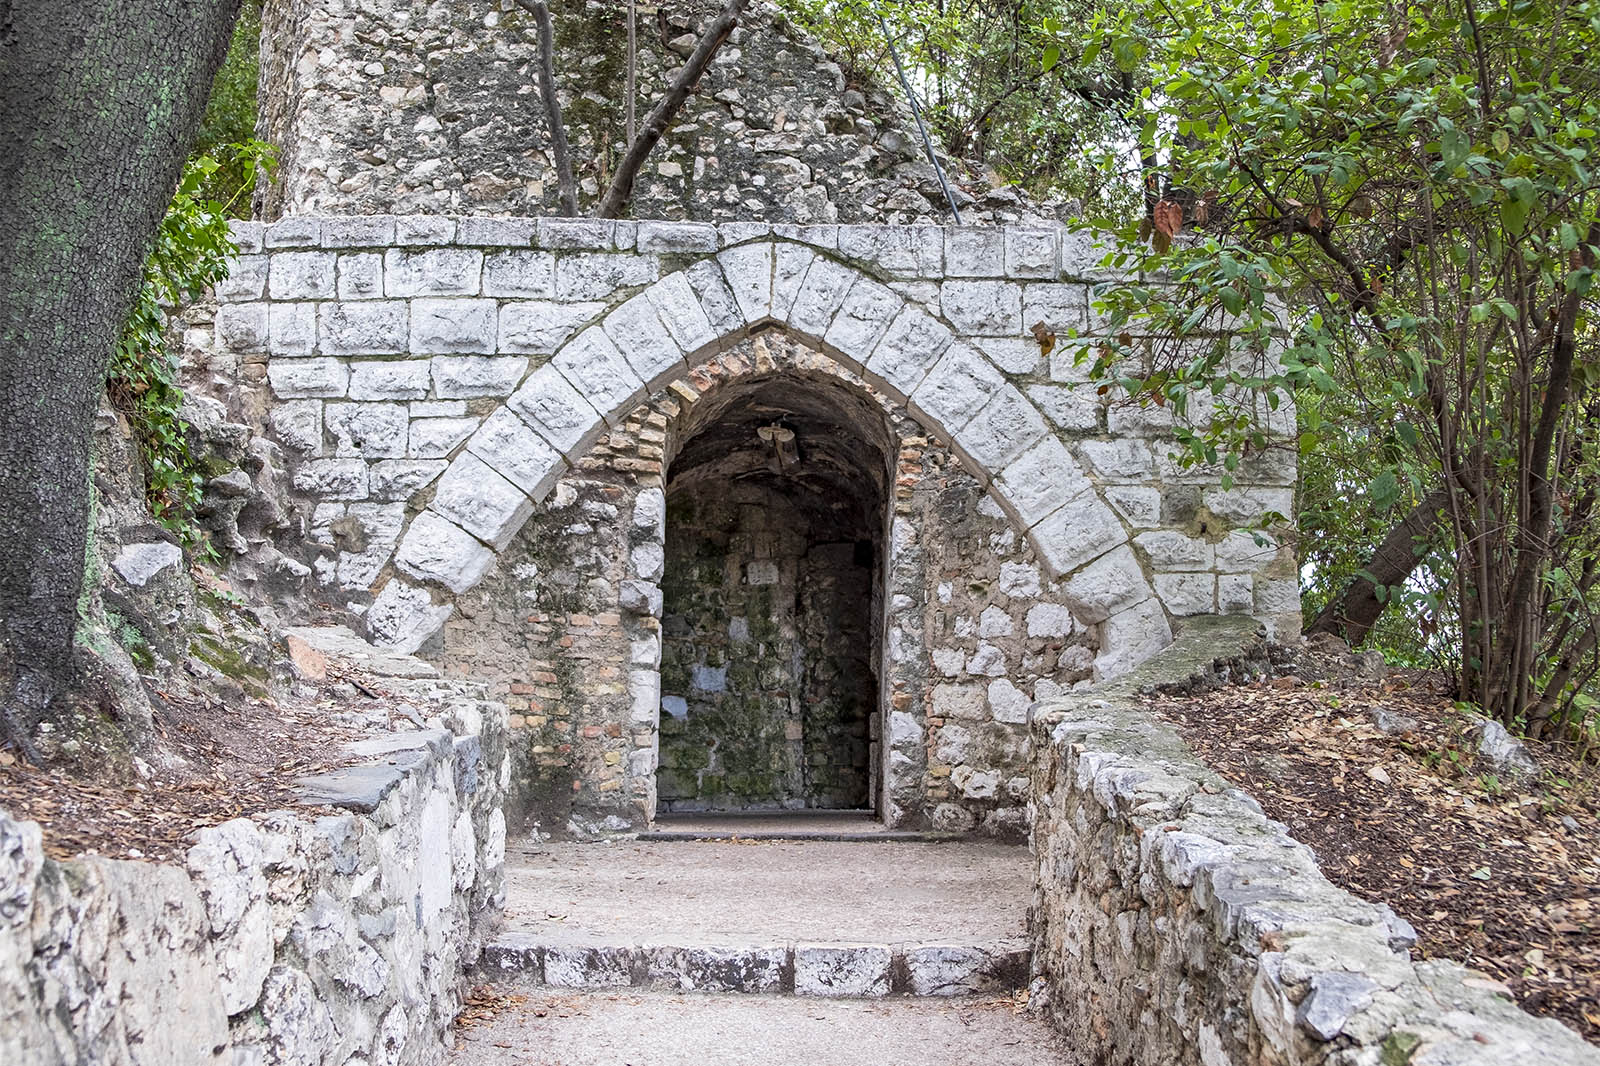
(768, 675)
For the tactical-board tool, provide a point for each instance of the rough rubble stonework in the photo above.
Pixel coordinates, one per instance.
(1174, 924)
(286, 938)
(433, 382)
(432, 106)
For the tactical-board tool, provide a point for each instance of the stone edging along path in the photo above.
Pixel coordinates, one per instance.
(1175, 923)
(292, 937)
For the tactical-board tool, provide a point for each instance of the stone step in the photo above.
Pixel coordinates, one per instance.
(805, 969)
(660, 1029)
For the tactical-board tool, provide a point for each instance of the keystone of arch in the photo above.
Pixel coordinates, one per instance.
(603, 372)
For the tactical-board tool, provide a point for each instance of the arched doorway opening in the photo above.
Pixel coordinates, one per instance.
(772, 620)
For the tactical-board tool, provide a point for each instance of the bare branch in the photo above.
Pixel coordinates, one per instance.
(656, 123)
(540, 10)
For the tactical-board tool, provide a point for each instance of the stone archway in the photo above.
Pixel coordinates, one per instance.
(597, 376)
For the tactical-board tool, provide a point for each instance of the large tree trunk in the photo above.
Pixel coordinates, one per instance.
(1353, 612)
(101, 102)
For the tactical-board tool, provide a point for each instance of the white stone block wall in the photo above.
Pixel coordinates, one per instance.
(284, 938)
(462, 365)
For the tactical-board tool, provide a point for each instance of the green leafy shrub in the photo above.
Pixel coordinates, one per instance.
(191, 252)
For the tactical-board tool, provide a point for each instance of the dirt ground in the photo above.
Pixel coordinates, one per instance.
(1502, 876)
(215, 758)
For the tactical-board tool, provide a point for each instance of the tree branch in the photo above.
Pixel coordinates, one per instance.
(540, 10)
(656, 123)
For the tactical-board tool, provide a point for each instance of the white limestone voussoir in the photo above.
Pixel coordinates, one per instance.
(747, 269)
(676, 301)
(868, 310)
(476, 498)
(404, 616)
(435, 549)
(594, 366)
(516, 452)
(909, 349)
(1079, 531)
(956, 389)
(549, 403)
(636, 329)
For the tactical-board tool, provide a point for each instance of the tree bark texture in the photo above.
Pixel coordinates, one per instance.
(1354, 610)
(661, 116)
(101, 101)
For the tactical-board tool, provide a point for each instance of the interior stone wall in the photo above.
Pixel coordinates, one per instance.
(432, 106)
(767, 676)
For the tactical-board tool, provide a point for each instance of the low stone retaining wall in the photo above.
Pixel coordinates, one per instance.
(289, 939)
(1174, 923)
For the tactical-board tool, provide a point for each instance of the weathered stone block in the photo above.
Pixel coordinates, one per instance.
(1236, 593)
(495, 232)
(684, 316)
(480, 501)
(358, 231)
(983, 308)
(599, 275)
(246, 280)
(369, 430)
(594, 366)
(417, 230)
(242, 327)
(974, 252)
(249, 236)
(1051, 620)
(1187, 593)
(360, 276)
(1130, 637)
(539, 328)
(910, 348)
(956, 389)
(298, 425)
(404, 617)
(1013, 355)
(363, 327)
(902, 251)
(1061, 308)
(1249, 506)
(1170, 550)
(332, 479)
(819, 297)
(676, 237)
(436, 438)
(436, 550)
(853, 970)
(1031, 253)
(1277, 597)
(400, 479)
(527, 274)
(388, 379)
(301, 276)
(519, 454)
(434, 272)
(637, 332)
(1111, 583)
(1080, 530)
(1245, 549)
(1039, 481)
(548, 402)
(296, 378)
(1119, 460)
(1005, 428)
(441, 327)
(748, 272)
(294, 232)
(1139, 506)
(964, 701)
(864, 317)
(464, 376)
(595, 234)
(790, 263)
(293, 329)
(717, 301)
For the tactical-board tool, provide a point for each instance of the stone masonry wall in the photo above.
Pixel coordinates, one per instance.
(767, 674)
(432, 106)
(1176, 925)
(288, 938)
(466, 440)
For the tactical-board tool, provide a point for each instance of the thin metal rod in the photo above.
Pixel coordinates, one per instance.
(916, 113)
